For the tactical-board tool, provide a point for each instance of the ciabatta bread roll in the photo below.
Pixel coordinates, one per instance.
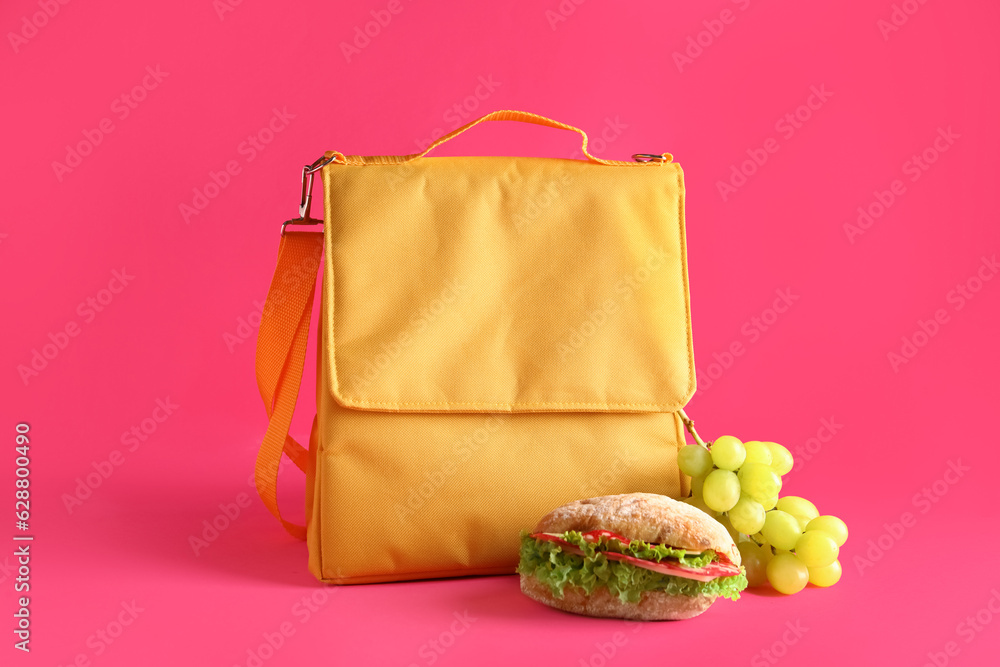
(642, 556)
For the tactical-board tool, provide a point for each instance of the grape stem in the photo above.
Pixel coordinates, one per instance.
(689, 425)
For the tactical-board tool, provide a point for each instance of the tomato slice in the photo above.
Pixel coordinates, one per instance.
(596, 535)
(709, 572)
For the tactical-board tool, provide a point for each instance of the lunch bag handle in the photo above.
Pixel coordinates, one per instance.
(506, 114)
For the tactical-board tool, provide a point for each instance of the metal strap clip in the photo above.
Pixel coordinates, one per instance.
(305, 201)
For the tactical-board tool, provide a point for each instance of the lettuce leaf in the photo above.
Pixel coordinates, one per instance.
(558, 569)
(640, 549)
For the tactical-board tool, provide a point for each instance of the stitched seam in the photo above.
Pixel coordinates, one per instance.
(328, 269)
(394, 576)
(359, 161)
(363, 401)
(684, 277)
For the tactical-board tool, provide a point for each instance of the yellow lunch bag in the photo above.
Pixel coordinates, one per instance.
(498, 336)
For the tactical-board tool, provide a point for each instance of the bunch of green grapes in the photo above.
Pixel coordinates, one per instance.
(784, 541)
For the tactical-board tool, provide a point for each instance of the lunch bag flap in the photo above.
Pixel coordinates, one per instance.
(506, 284)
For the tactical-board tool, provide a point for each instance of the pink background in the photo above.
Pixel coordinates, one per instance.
(608, 67)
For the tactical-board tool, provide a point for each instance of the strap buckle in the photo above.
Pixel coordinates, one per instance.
(305, 201)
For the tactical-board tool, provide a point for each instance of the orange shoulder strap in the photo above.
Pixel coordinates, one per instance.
(281, 353)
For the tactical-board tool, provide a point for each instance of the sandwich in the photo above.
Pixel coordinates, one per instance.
(638, 556)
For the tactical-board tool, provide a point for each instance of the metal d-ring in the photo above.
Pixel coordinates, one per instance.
(305, 201)
(648, 157)
(299, 221)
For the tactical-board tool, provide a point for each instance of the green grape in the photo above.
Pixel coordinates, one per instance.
(824, 576)
(769, 503)
(696, 486)
(798, 506)
(803, 522)
(757, 452)
(781, 458)
(700, 504)
(759, 481)
(832, 526)
(747, 516)
(728, 452)
(816, 549)
(694, 460)
(781, 529)
(721, 490)
(787, 574)
(755, 562)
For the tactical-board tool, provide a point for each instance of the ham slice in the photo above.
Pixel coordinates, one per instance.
(713, 570)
